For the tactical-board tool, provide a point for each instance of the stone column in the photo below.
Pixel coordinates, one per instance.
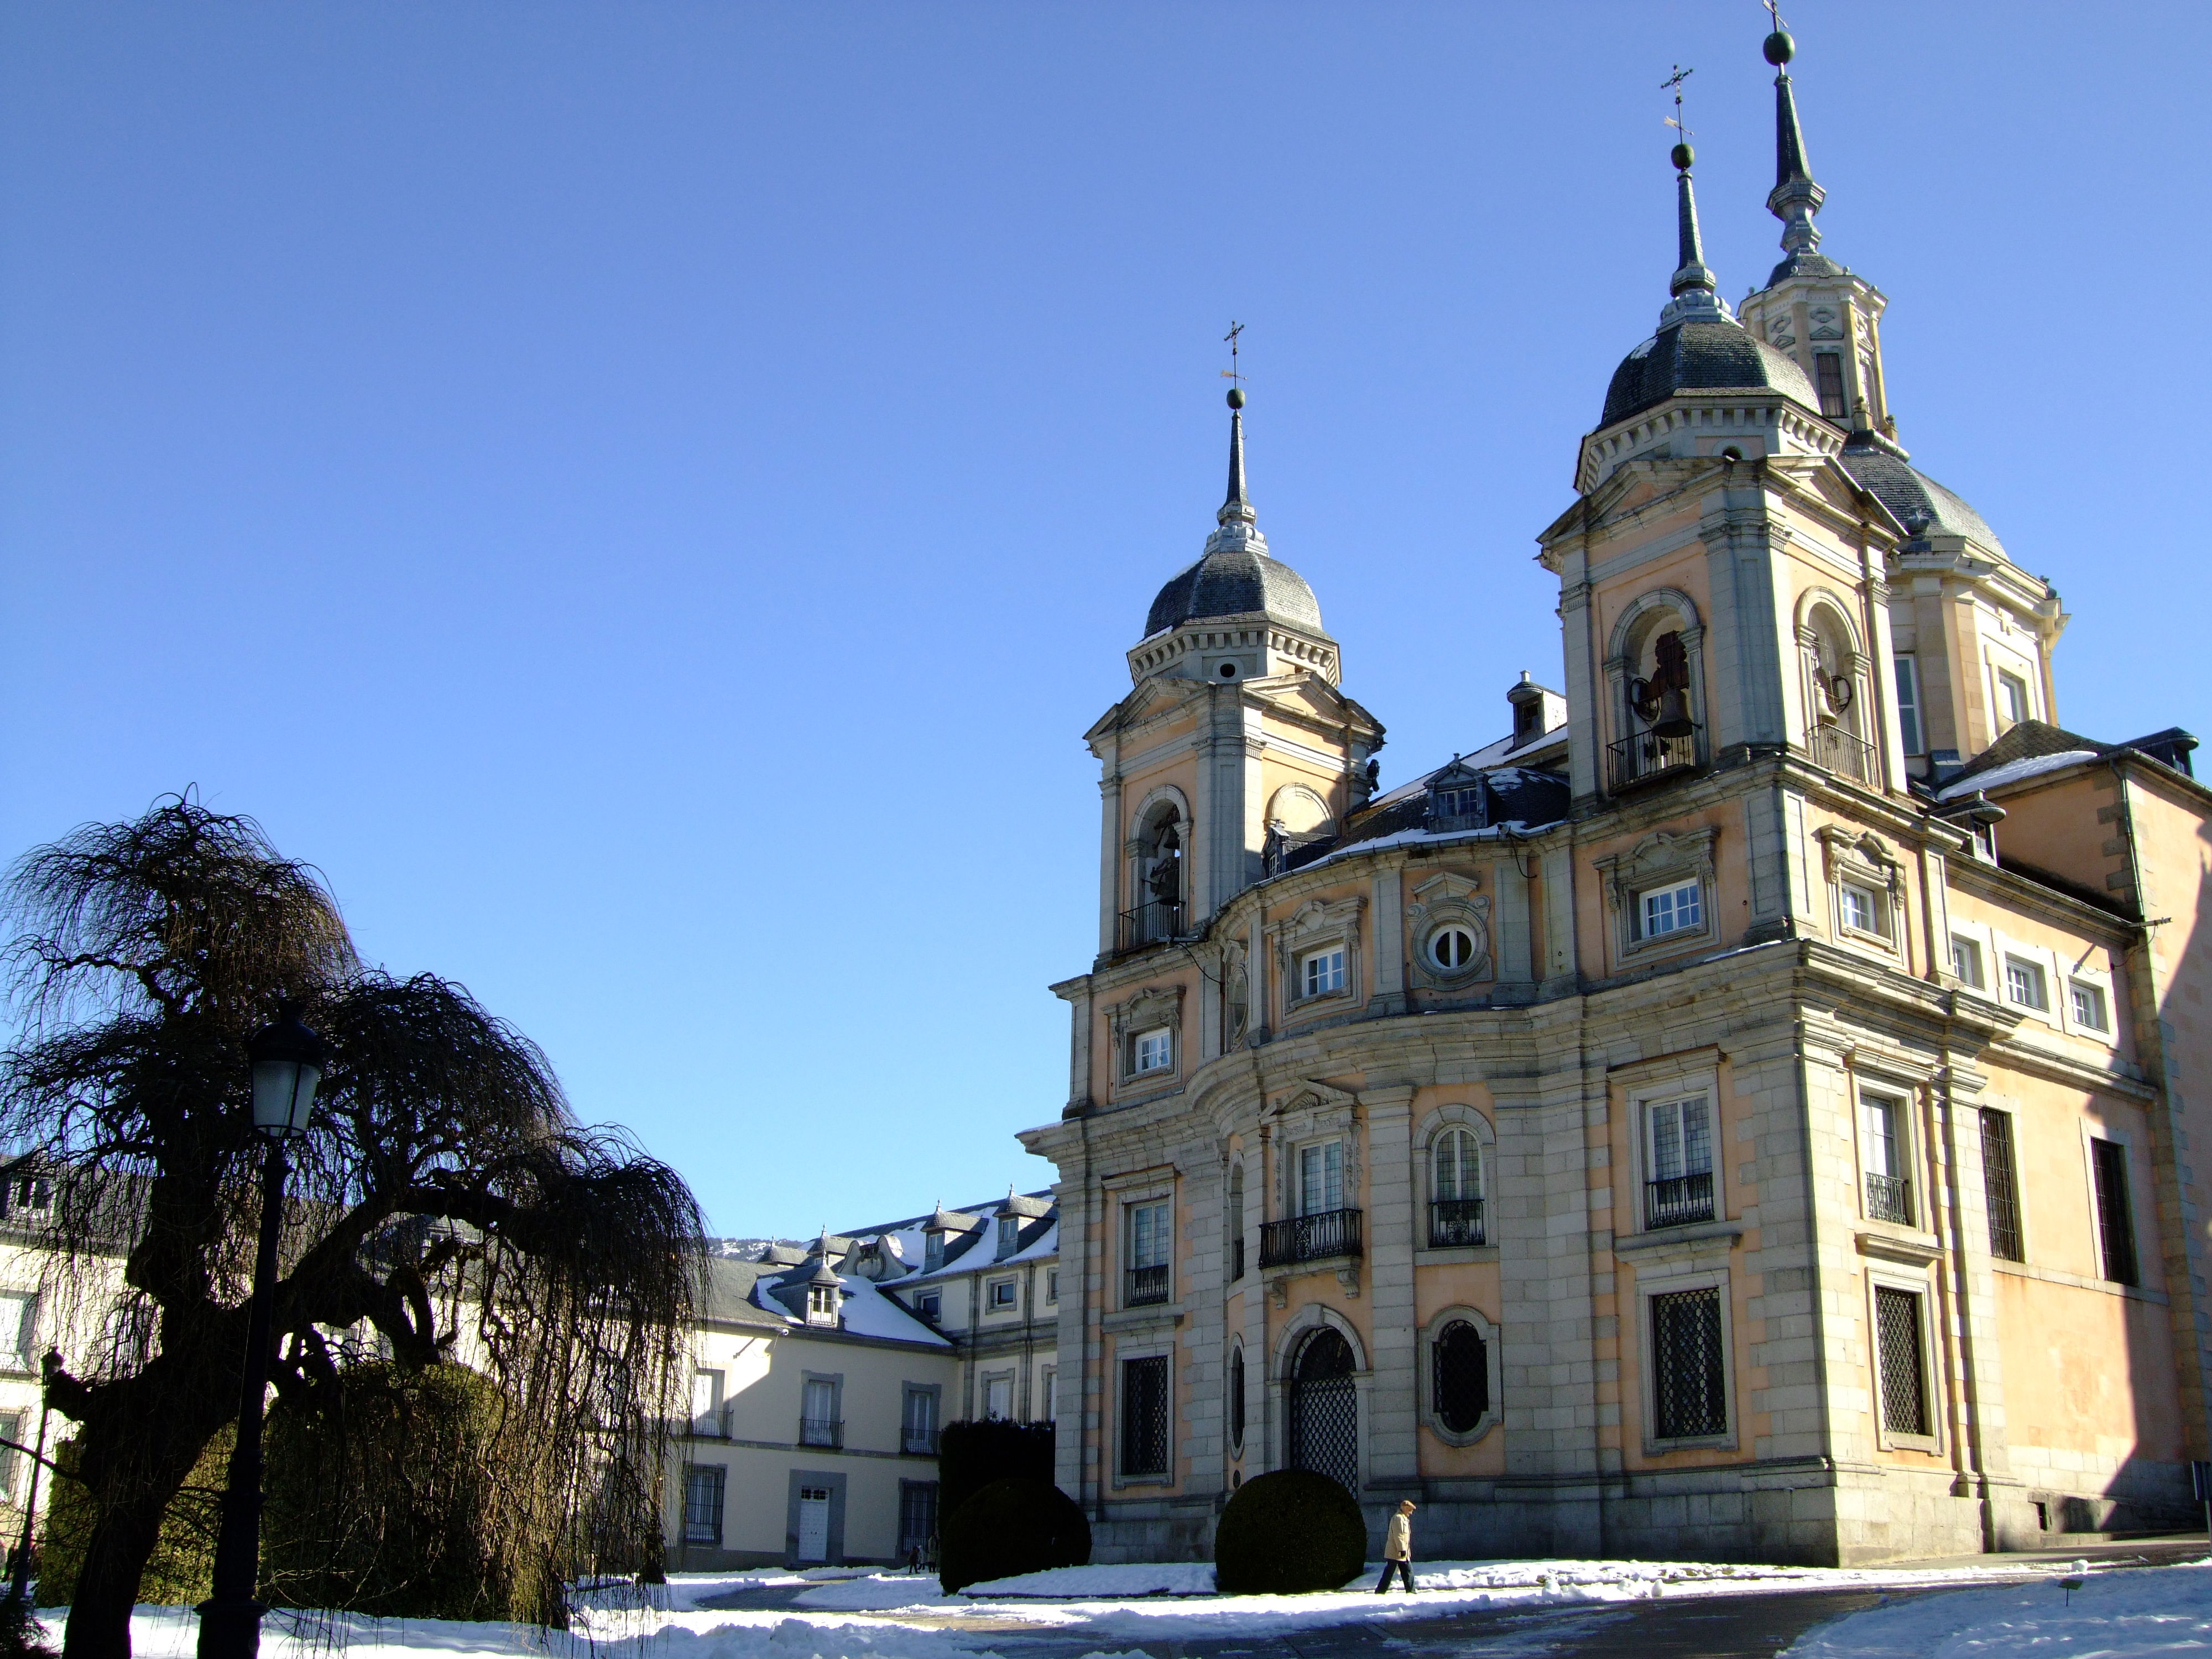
(1390, 997)
(1509, 940)
(1393, 1394)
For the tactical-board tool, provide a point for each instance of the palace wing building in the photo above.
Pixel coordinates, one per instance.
(1744, 1112)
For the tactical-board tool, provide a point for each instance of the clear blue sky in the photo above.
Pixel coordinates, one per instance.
(648, 497)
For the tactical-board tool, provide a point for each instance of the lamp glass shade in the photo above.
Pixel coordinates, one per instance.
(284, 1095)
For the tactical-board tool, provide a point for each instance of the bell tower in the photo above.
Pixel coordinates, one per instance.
(1235, 733)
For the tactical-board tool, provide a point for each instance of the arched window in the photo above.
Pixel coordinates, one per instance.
(1324, 1415)
(1237, 1400)
(1459, 1363)
(1233, 1222)
(1455, 1191)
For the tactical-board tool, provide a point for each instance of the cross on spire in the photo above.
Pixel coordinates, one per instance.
(1675, 82)
(1231, 373)
(1773, 10)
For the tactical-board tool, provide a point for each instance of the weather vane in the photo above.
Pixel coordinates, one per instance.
(1230, 373)
(1674, 82)
(1774, 10)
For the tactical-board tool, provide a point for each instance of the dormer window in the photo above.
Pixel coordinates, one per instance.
(933, 1251)
(1010, 1233)
(1455, 799)
(822, 1304)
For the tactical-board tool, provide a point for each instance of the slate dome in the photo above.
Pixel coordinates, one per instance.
(1701, 356)
(1234, 581)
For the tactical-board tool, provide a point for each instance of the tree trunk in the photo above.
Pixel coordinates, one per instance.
(107, 1589)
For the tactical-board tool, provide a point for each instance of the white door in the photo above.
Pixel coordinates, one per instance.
(814, 1523)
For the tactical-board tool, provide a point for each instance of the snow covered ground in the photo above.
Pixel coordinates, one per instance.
(2015, 1608)
(2138, 1613)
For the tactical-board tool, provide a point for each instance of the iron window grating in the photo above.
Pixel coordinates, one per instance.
(1144, 1416)
(2116, 1227)
(2000, 1185)
(702, 1503)
(1689, 1391)
(1459, 1376)
(1897, 1332)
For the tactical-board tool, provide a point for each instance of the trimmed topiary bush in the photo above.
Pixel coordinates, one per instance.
(1008, 1527)
(1288, 1532)
(971, 1456)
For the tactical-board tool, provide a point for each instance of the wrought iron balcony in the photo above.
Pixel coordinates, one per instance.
(1836, 749)
(923, 1440)
(1678, 1201)
(1309, 1237)
(1150, 924)
(1648, 757)
(821, 1431)
(1145, 1286)
(1889, 1198)
(1455, 1221)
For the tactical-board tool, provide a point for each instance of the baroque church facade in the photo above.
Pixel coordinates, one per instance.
(1745, 1111)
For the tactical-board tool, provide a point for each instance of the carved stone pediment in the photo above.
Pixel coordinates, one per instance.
(1861, 854)
(1662, 853)
(1154, 1006)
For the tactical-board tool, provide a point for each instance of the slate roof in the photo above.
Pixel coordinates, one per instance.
(1701, 356)
(1235, 582)
(2030, 739)
(1914, 500)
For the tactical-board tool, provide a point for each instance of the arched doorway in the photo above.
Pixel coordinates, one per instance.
(1324, 1415)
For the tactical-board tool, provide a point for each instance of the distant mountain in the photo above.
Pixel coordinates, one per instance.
(749, 1250)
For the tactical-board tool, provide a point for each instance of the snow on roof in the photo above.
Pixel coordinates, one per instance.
(862, 1310)
(2015, 771)
(1486, 758)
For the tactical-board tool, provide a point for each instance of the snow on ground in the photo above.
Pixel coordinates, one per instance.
(856, 1613)
(2133, 1614)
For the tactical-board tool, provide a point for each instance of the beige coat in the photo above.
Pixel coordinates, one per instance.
(1398, 1539)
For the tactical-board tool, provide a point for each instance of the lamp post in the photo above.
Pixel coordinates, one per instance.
(288, 1063)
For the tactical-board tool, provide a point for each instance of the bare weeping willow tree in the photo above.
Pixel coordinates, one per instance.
(445, 1203)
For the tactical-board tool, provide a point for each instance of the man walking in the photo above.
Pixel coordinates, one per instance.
(1398, 1548)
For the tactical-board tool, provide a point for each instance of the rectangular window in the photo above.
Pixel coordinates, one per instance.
(917, 1515)
(1689, 1394)
(932, 1252)
(1155, 1051)
(1010, 1233)
(2025, 984)
(1667, 910)
(2001, 1187)
(1462, 803)
(1052, 1283)
(1323, 973)
(818, 1422)
(2088, 1005)
(706, 1402)
(998, 1397)
(1678, 1175)
(1908, 707)
(702, 1503)
(1002, 1294)
(2011, 697)
(1320, 1178)
(930, 1304)
(19, 1319)
(1829, 367)
(1967, 961)
(1861, 907)
(1904, 1387)
(1148, 1235)
(11, 1428)
(918, 1426)
(1144, 1416)
(1048, 1385)
(2116, 1221)
(1889, 1192)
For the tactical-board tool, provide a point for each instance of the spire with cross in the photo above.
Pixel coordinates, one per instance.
(1236, 506)
(1796, 198)
(1693, 285)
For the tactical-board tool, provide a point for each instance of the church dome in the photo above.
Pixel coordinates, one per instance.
(1694, 355)
(1914, 500)
(1234, 580)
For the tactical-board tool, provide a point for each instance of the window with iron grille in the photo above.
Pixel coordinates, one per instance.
(1896, 1334)
(702, 1503)
(1144, 1416)
(2000, 1185)
(1237, 1400)
(917, 1515)
(1459, 1376)
(1689, 1393)
(2116, 1221)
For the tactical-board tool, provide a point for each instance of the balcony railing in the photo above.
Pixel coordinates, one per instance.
(1454, 1221)
(1889, 1198)
(923, 1440)
(1309, 1237)
(821, 1431)
(1150, 924)
(1647, 758)
(1835, 750)
(1678, 1201)
(1146, 1285)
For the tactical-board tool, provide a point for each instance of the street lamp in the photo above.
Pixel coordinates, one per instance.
(288, 1064)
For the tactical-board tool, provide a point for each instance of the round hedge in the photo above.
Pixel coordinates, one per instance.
(1286, 1533)
(1008, 1527)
